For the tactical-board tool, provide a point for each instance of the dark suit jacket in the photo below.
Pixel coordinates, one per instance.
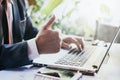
(23, 29)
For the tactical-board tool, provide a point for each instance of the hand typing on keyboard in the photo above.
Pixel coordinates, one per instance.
(75, 57)
(78, 41)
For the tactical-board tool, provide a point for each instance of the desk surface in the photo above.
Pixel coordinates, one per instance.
(108, 71)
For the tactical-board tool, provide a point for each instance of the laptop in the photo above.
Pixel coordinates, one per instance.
(87, 61)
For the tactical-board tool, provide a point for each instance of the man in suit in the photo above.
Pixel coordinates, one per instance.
(16, 26)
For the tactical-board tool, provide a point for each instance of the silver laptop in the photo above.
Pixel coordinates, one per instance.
(87, 61)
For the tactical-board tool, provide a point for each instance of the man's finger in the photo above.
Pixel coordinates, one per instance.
(81, 41)
(76, 43)
(49, 23)
(66, 46)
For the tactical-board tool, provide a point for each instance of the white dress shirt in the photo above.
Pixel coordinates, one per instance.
(32, 49)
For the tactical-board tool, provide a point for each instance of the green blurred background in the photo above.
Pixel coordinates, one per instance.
(76, 17)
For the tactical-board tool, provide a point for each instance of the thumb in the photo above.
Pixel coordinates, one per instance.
(49, 23)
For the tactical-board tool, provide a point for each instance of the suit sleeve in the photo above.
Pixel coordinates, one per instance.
(31, 30)
(12, 56)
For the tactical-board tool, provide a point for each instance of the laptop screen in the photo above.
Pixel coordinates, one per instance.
(113, 40)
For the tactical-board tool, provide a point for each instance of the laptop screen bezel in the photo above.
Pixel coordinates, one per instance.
(113, 40)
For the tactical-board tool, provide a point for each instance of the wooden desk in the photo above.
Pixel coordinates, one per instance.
(108, 71)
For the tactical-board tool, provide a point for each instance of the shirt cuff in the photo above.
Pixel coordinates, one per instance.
(32, 49)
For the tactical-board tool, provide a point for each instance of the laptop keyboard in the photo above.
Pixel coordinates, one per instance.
(75, 57)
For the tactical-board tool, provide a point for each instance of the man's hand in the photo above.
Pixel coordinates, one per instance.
(79, 42)
(47, 40)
